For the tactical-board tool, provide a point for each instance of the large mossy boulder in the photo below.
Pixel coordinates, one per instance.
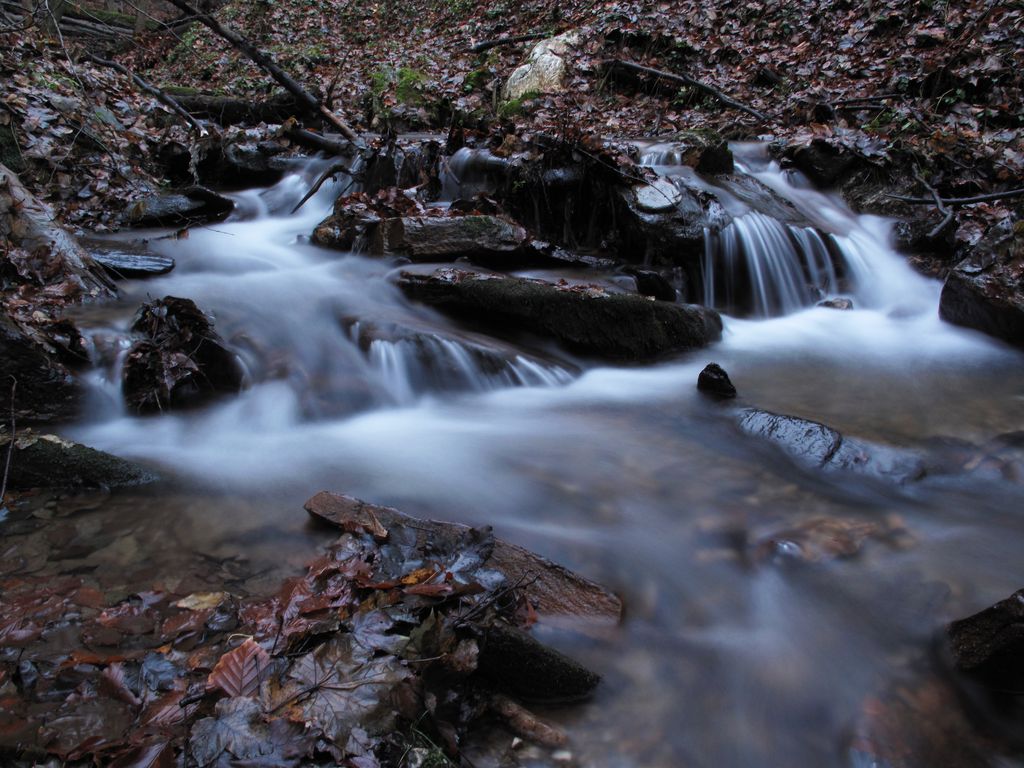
(584, 319)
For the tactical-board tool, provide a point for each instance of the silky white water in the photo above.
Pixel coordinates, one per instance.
(625, 473)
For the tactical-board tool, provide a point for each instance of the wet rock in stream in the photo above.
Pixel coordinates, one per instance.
(584, 319)
(180, 360)
(192, 205)
(48, 461)
(714, 381)
(819, 446)
(989, 646)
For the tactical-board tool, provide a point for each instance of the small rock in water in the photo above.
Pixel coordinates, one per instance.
(714, 381)
(836, 304)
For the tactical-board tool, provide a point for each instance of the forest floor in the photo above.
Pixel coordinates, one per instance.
(939, 84)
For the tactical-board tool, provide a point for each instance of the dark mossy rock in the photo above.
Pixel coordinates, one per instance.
(47, 461)
(514, 662)
(181, 360)
(986, 651)
(583, 318)
(189, 206)
(825, 163)
(446, 238)
(986, 290)
(46, 390)
(990, 644)
(651, 283)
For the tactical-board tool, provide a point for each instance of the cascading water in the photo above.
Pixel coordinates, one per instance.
(774, 267)
(626, 474)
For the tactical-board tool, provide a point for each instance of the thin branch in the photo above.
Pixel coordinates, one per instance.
(632, 66)
(152, 90)
(329, 173)
(957, 201)
(486, 45)
(947, 215)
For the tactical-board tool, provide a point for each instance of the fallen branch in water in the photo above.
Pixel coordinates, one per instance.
(152, 90)
(486, 45)
(640, 69)
(956, 201)
(308, 101)
(329, 173)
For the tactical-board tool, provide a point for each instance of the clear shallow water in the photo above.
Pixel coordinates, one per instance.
(726, 658)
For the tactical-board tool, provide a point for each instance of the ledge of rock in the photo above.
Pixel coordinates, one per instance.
(47, 461)
(584, 319)
(984, 291)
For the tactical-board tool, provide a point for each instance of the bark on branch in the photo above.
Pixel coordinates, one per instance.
(152, 90)
(306, 100)
(640, 69)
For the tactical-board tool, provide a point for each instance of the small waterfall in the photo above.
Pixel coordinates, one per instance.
(761, 266)
(409, 366)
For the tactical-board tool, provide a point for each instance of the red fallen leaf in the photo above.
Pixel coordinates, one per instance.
(430, 590)
(159, 755)
(238, 672)
(88, 597)
(165, 716)
(184, 622)
(113, 682)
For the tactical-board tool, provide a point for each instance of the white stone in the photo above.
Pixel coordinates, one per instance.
(662, 195)
(544, 70)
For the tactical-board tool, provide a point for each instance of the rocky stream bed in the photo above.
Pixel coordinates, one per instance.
(509, 338)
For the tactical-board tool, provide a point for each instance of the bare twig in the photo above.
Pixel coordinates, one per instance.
(947, 215)
(486, 45)
(158, 94)
(957, 201)
(631, 66)
(329, 173)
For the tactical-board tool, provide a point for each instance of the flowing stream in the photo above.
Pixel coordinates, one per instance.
(626, 474)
